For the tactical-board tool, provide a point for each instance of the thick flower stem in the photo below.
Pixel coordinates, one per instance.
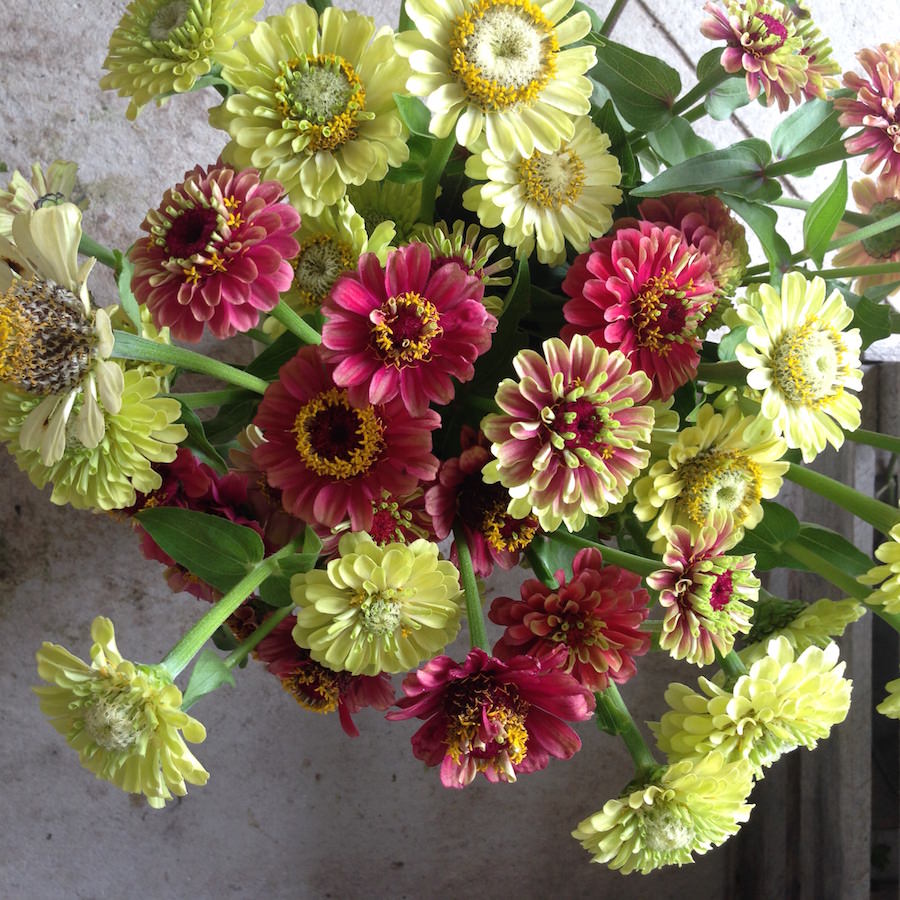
(612, 17)
(848, 216)
(699, 91)
(180, 656)
(638, 564)
(874, 439)
(89, 247)
(879, 515)
(830, 153)
(130, 346)
(474, 614)
(240, 653)
(295, 324)
(731, 372)
(613, 717)
(441, 148)
(732, 665)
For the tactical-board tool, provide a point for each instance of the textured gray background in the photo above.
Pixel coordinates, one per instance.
(293, 809)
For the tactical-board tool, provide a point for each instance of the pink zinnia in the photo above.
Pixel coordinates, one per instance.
(460, 493)
(216, 253)
(643, 291)
(875, 109)
(498, 718)
(331, 457)
(316, 688)
(404, 329)
(596, 617)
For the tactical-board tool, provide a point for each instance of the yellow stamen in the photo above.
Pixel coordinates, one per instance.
(406, 326)
(552, 180)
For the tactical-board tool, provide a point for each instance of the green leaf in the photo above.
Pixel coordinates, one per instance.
(834, 547)
(778, 524)
(738, 169)
(267, 364)
(127, 300)
(414, 113)
(642, 87)
(726, 97)
(812, 125)
(676, 141)
(872, 318)
(728, 343)
(823, 216)
(217, 551)
(209, 673)
(197, 441)
(762, 220)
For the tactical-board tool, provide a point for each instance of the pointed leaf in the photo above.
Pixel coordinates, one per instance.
(414, 113)
(676, 141)
(778, 525)
(762, 220)
(209, 673)
(812, 125)
(835, 548)
(823, 216)
(197, 441)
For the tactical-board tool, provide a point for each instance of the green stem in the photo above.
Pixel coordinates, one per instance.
(614, 718)
(639, 564)
(540, 567)
(731, 372)
(866, 232)
(295, 324)
(874, 439)
(89, 247)
(851, 217)
(851, 271)
(240, 653)
(828, 154)
(699, 91)
(827, 569)
(482, 404)
(474, 614)
(441, 149)
(258, 335)
(179, 657)
(698, 112)
(612, 17)
(130, 346)
(732, 665)
(206, 399)
(879, 515)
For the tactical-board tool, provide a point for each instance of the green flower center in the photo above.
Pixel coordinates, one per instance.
(666, 830)
(167, 18)
(321, 261)
(552, 180)
(807, 364)
(884, 245)
(380, 613)
(719, 481)
(115, 722)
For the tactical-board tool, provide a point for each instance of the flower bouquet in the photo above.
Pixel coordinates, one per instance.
(504, 315)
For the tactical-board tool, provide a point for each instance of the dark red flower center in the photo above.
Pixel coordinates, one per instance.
(316, 688)
(659, 313)
(404, 327)
(190, 232)
(582, 424)
(769, 37)
(721, 591)
(482, 509)
(385, 528)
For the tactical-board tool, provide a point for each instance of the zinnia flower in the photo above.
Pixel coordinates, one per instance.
(567, 443)
(162, 47)
(782, 703)
(50, 188)
(406, 330)
(763, 40)
(890, 706)
(875, 110)
(821, 66)
(879, 200)
(704, 594)
(493, 535)
(801, 355)
(216, 253)
(643, 291)
(331, 458)
(315, 104)
(596, 617)
(316, 687)
(724, 465)
(54, 344)
(688, 807)
(497, 718)
(123, 718)
(377, 609)
(887, 576)
(145, 430)
(499, 67)
(567, 194)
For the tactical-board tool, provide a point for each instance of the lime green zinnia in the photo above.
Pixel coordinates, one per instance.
(162, 47)
(105, 477)
(890, 706)
(886, 576)
(124, 719)
(377, 609)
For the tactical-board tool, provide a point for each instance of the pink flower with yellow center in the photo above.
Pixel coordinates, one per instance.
(316, 688)
(217, 253)
(705, 594)
(405, 329)
(460, 494)
(643, 291)
(874, 109)
(331, 457)
(571, 435)
(494, 717)
(596, 617)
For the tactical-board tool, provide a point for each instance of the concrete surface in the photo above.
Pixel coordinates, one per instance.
(293, 809)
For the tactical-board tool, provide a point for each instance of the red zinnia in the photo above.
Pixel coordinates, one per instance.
(331, 457)
(404, 329)
(596, 616)
(498, 718)
(643, 291)
(217, 252)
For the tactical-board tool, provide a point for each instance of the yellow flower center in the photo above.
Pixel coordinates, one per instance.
(404, 328)
(335, 439)
(719, 481)
(808, 364)
(46, 340)
(660, 313)
(552, 180)
(321, 260)
(503, 532)
(322, 97)
(503, 53)
(116, 722)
